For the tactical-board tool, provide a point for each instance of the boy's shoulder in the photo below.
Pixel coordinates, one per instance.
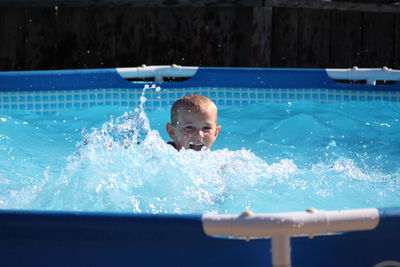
(172, 144)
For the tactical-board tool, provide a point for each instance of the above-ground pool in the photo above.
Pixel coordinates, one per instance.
(87, 178)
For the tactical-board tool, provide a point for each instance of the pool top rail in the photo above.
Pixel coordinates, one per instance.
(200, 76)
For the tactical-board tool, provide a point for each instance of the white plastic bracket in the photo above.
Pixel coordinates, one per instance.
(157, 72)
(370, 75)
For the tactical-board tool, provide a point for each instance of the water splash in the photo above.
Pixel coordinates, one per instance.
(127, 166)
(129, 128)
(123, 164)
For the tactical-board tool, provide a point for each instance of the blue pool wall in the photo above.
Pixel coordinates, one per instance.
(34, 238)
(52, 91)
(38, 238)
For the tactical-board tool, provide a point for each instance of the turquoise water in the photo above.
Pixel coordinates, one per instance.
(269, 157)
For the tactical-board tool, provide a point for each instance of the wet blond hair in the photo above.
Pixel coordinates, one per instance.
(192, 102)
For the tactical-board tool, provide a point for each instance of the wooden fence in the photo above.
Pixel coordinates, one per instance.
(312, 34)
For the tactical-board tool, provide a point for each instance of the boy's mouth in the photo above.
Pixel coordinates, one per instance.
(196, 147)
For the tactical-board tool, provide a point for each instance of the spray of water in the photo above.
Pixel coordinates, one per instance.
(125, 165)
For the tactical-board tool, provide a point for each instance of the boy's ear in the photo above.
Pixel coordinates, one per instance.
(217, 130)
(170, 130)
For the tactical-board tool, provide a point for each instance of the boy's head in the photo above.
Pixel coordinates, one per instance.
(193, 122)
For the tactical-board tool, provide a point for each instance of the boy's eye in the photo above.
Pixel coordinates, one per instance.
(207, 128)
(189, 127)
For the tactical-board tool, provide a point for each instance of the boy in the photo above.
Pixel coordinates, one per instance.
(193, 123)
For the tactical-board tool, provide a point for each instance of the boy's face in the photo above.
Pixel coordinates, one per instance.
(194, 129)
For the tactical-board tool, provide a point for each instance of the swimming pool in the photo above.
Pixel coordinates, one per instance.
(101, 239)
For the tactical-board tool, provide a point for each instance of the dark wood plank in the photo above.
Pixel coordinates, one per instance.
(346, 39)
(284, 37)
(146, 36)
(261, 37)
(85, 37)
(71, 38)
(128, 25)
(242, 35)
(220, 37)
(366, 1)
(378, 40)
(99, 31)
(192, 37)
(40, 38)
(396, 61)
(161, 35)
(135, 3)
(12, 50)
(313, 38)
(386, 6)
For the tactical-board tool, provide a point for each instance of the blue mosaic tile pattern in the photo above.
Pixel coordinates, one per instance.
(52, 101)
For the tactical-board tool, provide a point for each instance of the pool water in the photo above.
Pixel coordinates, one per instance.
(269, 157)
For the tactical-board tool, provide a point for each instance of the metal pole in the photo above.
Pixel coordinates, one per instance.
(280, 250)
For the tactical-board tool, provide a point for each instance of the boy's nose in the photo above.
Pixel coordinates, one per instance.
(200, 133)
